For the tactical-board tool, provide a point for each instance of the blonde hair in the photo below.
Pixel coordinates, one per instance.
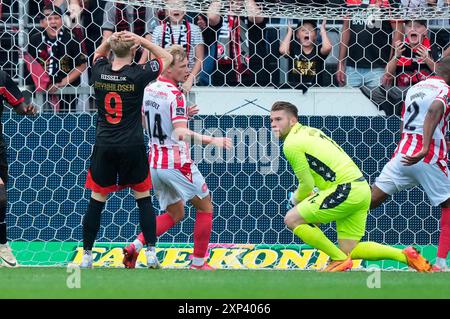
(120, 47)
(178, 53)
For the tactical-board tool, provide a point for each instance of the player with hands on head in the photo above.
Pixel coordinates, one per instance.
(175, 177)
(119, 158)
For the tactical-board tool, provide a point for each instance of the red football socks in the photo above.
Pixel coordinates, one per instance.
(202, 233)
(164, 222)
(444, 237)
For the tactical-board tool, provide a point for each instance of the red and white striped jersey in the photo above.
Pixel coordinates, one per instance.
(164, 104)
(417, 102)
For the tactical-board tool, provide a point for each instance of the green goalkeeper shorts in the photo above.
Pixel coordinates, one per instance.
(347, 204)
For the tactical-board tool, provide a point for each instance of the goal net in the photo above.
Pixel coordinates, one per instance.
(334, 9)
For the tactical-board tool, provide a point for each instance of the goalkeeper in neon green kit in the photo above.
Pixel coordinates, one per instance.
(344, 195)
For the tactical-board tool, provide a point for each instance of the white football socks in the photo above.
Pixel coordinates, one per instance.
(138, 245)
(196, 261)
(441, 262)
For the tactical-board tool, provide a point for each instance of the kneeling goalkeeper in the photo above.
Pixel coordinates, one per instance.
(344, 195)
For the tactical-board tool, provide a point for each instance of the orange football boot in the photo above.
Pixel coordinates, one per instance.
(416, 260)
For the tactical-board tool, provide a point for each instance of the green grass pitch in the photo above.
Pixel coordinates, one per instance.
(220, 284)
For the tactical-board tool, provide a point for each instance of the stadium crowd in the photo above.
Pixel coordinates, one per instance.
(382, 58)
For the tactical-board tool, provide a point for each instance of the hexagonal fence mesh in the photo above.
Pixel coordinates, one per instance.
(250, 184)
(49, 154)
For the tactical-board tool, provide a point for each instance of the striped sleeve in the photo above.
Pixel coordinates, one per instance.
(444, 97)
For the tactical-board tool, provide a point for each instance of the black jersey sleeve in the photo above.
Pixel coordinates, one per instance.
(150, 71)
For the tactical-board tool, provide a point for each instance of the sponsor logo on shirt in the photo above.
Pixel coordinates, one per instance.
(110, 77)
(154, 65)
(180, 111)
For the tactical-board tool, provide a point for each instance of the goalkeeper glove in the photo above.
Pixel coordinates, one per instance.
(291, 197)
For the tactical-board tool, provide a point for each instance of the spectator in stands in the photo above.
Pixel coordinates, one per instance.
(71, 10)
(364, 48)
(244, 64)
(121, 17)
(61, 57)
(414, 61)
(441, 36)
(414, 58)
(176, 29)
(210, 26)
(86, 15)
(232, 62)
(257, 46)
(306, 56)
(442, 26)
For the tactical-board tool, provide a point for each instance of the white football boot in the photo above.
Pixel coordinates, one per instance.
(152, 259)
(7, 258)
(87, 260)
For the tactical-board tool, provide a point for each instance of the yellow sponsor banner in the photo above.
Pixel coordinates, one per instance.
(226, 256)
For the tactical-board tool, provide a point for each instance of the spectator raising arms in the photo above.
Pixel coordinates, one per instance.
(414, 58)
(306, 57)
(413, 61)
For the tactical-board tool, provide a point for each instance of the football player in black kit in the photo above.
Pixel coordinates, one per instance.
(11, 93)
(119, 157)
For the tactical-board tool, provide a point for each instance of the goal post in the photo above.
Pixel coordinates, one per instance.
(333, 9)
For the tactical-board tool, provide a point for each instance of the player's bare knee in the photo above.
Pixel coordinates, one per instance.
(99, 197)
(377, 197)
(202, 204)
(139, 195)
(176, 211)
